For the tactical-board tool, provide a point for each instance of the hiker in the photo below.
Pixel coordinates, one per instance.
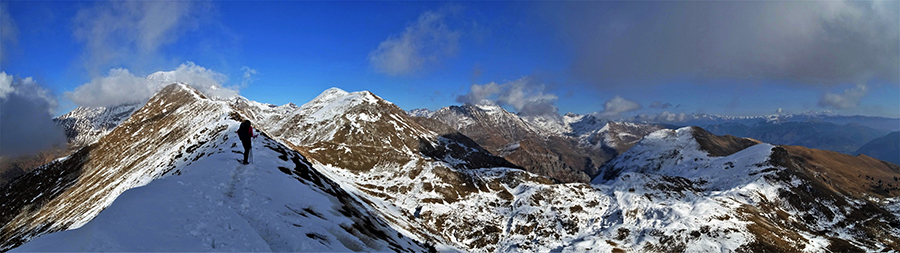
(245, 132)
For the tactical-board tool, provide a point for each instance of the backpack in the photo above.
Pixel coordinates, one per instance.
(244, 131)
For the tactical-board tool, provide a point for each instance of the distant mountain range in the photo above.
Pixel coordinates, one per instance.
(885, 148)
(844, 134)
(682, 119)
(845, 138)
(350, 171)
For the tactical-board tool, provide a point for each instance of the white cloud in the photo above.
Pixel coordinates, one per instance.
(5, 85)
(205, 80)
(618, 105)
(847, 100)
(526, 95)
(478, 93)
(248, 76)
(131, 32)
(426, 41)
(672, 117)
(120, 86)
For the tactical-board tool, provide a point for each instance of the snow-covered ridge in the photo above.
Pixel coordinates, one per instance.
(175, 120)
(211, 202)
(677, 153)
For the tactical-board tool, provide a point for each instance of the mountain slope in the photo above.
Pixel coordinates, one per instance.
(509, 136)
(886, 148)
(570, 148)
(181, 132)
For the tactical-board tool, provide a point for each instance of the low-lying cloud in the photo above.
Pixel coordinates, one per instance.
(847, 100)
(526, 95)
(26, 113)
(120, 86)
(424, 42)
(618, 105)
(660, 105)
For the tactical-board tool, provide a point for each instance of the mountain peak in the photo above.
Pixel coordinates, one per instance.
(488, 106)
(330, 95)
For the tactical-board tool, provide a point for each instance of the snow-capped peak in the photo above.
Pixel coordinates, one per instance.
(330, 94)
(489, 107)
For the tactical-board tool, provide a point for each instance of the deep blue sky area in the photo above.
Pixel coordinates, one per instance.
(616, 58)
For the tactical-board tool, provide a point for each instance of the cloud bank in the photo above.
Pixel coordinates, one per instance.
(424, 42)
(811, 42)
(120, 86)
(26, 113)
(526, 95)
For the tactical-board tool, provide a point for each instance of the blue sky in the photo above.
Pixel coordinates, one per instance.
(618, 58)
